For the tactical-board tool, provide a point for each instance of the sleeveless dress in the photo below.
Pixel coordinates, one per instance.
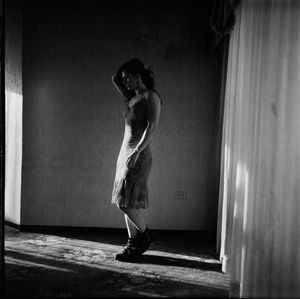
(130, 189)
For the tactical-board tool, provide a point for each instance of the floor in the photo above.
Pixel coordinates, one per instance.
(81, 264)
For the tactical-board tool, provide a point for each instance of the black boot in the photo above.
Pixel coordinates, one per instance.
(130, 251)
(144, 241)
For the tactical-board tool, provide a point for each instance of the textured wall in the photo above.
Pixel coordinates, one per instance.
(73, 125)
(13, 110)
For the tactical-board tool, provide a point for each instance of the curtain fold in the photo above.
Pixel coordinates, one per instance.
(259, 207)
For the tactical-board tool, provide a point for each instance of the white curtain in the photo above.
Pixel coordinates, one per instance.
(259, 211)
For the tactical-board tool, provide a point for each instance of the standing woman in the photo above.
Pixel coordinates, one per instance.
(130, 190)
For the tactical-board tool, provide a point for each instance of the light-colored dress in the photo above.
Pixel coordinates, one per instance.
(130, 188)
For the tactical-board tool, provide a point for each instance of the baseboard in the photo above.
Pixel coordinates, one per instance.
(11, 224)
(85, 229)
(67, 229)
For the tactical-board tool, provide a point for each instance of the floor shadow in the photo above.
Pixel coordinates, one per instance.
(143, 259)
(194, 243)
(176, 262)
(64, 279)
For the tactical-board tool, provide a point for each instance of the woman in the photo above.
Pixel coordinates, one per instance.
(130, 190)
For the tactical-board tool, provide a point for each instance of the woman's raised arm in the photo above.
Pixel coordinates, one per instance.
(118, 83)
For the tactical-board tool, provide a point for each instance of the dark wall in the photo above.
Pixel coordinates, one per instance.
(13, 46)
(73, 125)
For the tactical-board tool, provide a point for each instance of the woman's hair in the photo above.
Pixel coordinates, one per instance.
(134, 67)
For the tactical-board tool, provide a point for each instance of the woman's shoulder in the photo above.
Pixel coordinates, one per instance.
(153, 96)
(152, 93)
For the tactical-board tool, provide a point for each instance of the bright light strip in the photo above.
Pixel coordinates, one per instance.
(14, 261)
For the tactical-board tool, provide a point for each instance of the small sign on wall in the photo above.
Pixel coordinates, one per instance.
(180, 194)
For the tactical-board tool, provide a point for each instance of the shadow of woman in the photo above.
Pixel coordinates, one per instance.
(177, 262)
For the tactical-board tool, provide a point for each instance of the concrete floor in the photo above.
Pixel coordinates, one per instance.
(82, 265)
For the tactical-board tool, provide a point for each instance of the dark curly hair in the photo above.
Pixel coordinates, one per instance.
(135, 66)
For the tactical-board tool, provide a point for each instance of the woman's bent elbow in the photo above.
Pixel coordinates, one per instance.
(152, 127)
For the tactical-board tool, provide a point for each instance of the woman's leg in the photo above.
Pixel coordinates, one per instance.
(139, 237)
(131, 228)
(144, 238)
(135, 217)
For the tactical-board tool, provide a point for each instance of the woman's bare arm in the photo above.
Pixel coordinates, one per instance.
(153, 114)
(118, 83)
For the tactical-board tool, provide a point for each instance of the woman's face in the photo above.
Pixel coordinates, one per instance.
(129, 80)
